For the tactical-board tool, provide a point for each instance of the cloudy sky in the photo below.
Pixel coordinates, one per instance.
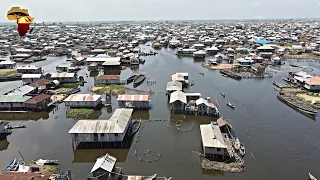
(114, 10)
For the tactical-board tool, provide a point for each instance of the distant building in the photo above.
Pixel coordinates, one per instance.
(64, 77)
(107, 79)
(30, 78)
(258, 68)
(7, 64)
(38, 103)
(99, 133)
(178, 101)
(29, 70)
(13, 102)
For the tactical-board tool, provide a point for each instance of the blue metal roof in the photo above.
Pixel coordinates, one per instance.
(261, 41)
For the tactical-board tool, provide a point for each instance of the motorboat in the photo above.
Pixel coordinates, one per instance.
(230, 105)
(11, 165)
(42, 162)
(222, 94)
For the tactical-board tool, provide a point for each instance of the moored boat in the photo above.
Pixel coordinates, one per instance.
(297, 104)
(138, 80)
(237, 144)
(222, 94)
(151, 177)
(42, 162)
(312, 177)
(15, 127)
(131, 78)
(242, 150)
(10, 165)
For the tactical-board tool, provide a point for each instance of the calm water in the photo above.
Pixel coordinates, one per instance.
(284, 143)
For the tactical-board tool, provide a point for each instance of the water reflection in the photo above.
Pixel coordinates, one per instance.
(24, 115)
(141, 114)
(91, 155)
(4, 144)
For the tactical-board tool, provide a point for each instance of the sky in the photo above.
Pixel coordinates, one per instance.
(124, 10)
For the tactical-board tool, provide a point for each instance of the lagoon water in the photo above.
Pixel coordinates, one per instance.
(280, 142)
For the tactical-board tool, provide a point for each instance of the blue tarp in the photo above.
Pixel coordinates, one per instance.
(261, 41)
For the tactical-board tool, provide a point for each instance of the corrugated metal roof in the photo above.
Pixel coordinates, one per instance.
(174, 86)
(105, 162)
(211, 136)
(116, 124)
(62, 74)
(178, 95)
(133, 98)
(23, 90)
(8, 88)
(82, 97)
(29, 67)
(31, 76)
(38, 98)
(14, 98)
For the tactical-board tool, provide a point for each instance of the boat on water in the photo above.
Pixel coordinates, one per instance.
(10, 165)
(134, 128)
(222, 94)
(201, 74)
(151, 177)
(138, 80)
(15, 127)
(42, 162)
(297, 104)
(312, 177)
(277, 85)
(131, 78)
(237, 144)
(230, 105)
(242, 150)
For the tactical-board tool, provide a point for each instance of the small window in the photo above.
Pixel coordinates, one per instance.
(102, 134)
(116, 134)
(95, 137)
(218, 149)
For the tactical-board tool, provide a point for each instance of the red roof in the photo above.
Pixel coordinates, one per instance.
(22, 176)
(41, 82)
(133, 98)
(108, 77)
(38, 98)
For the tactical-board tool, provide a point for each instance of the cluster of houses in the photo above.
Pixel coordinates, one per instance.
(188, 103)
(305, 80)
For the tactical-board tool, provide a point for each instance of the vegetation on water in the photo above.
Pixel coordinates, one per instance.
(5, 122)
(108, 89)
(79, 113)
(45, 169)
(221, 166)
(8, 73)
(62, 90)
(72, 85)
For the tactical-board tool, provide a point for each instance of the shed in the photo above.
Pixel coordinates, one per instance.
(38, 103)
(104, 167)
(107, 79)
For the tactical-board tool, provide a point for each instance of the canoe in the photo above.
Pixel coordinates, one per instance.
(138, 80)
(42, 162)
(131, 78)
(312, 177)
(222, 94)
(297, 104)
(16, 127)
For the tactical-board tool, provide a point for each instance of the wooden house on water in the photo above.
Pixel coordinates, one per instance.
(213, 142)
(29, 69)
(134, 101)
(30, 78)
(83, 101)
(173, 86)
(178, 101)
(102, 133)
(107, 79)
(64, 77)
(181, 77)
(105, 168)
